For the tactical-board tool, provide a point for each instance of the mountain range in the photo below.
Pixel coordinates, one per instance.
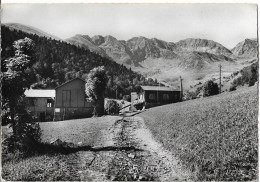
(196, 60)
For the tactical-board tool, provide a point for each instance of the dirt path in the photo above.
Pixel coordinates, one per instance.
(130, 153)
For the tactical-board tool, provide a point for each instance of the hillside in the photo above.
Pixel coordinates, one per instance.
(201, 45)
(84, 41)
(58, 62)
(247, 48)
(30, 30)
(196, 60)
(215, 137)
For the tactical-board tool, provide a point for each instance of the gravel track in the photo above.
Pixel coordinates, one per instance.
(133, 156)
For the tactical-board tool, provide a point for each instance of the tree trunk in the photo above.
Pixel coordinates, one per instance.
(100, 107)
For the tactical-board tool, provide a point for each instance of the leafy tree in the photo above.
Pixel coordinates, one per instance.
(254, 75)
(111, 107)
(18, 77)
(210, 88)
(95, 89)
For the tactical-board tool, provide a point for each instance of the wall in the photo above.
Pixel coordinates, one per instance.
(40, 107)
(77, 95)
(75, 106)
(174, 96)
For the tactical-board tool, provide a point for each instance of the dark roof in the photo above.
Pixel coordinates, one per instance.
(157, 88)
(70, 81)
(39, 93)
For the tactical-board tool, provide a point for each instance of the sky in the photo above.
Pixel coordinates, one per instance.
(227, 24)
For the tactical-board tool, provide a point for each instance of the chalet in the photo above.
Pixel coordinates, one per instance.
(40, 103)
(71, 102)
(154, 96)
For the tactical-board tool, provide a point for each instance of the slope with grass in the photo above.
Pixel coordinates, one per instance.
(84, 131)
(112, 149)
(215, 137)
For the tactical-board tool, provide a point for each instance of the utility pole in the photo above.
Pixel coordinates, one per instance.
(181, 88)
(220, 78)
(157, 96)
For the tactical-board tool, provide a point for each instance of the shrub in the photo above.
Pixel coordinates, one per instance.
(28, 134)
(232, 88)
(254, 76)
(189, 95)
(111, 107)
(210, 88)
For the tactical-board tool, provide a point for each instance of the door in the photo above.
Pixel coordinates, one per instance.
(42, 117)
(66, 98)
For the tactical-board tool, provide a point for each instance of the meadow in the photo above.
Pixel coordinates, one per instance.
(83, 131)
(53, 166)
(214, 137)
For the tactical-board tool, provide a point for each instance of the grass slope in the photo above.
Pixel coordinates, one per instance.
(51, 166)
(215, 137)
(81, 130)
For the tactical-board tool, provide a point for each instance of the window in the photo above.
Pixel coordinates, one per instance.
(152, 96)
(49, 103)
(166, 97)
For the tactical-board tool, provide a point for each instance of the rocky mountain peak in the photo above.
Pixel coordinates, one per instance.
(247, 48)
(98, 39)
(201, 45)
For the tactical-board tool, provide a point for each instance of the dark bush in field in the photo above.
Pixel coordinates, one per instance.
(210, 88)
(249, 75)
(232, 88)
(111, 107)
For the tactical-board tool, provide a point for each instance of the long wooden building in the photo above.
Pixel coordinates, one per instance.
(152, 96)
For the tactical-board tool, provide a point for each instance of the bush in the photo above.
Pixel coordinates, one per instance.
(254, 76)
(210, 88)
(111, 107)
(189, 95)
(232, 88)
(28, 134)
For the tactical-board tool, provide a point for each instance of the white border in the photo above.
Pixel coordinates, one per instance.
(131, 1)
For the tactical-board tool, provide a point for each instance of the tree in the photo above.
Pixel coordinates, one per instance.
(18, 77)
(210, 88)
(254, 75)
(95, 89)
(112, 107)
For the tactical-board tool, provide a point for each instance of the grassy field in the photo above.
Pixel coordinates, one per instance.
(75, 131)
(51, 166)
(215, 137)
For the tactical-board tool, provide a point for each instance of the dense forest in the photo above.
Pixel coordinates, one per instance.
(58, 62)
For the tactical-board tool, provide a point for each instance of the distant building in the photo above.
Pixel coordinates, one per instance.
(71, 101)
(152, 96)
(40, 103)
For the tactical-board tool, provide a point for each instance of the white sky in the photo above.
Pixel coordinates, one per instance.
(227, 24)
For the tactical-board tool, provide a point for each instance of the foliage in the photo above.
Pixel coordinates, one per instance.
(111, 107)
(58, 62)
(96, 84)
(232, 88)
(210, 88)
(254, 75)
(249, 75)
(17, 77)
(189, 95)
(215, 137)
